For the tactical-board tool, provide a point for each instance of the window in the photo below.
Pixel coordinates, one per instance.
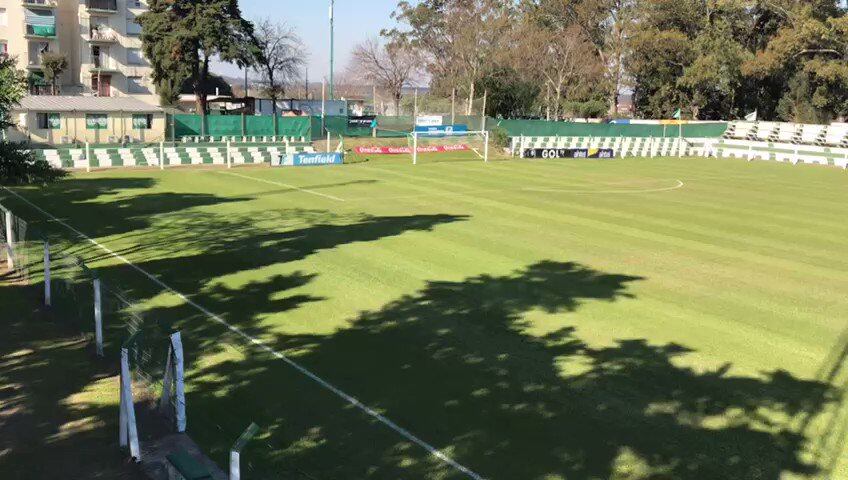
(133, 28)
(142, 121)
(136, 4)
(40, 23)
(48, 121)
(101, 85)
(4, 49)
(96, 121)
(134, 56)
(135, 85)
(4, 19)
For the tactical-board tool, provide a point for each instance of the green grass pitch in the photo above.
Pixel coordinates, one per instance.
(531, 320)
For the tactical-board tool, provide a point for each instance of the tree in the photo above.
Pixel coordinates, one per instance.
(807, 52)
(13, 85)
(460, 41)
(280, 60)
(18, 165)
(565, 63)
(53, 64)
(510, 94)
(605, 23)
(180, 38)
(390, 66)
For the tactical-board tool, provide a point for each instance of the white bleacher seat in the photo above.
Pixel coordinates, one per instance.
(765, 130)
(786, 132)
(743, 130)
(812, 134)
(837, 134)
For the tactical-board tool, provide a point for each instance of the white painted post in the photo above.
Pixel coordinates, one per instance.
(328, 141)
(98, 318)
(161, 155)
(47, 293)
(10, 241)
(486, 147)
(414, 148)
(128, 430)
(235, 465)
(229, 156)
(235, 451)
(87, 157)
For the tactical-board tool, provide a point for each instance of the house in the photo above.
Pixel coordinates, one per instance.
(53, 119)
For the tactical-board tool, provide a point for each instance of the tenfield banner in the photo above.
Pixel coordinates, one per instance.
(309, 159)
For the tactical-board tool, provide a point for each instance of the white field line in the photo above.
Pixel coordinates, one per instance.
(679, 185)
(261, 345)
(280, 184)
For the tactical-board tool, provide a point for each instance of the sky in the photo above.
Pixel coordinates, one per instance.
(355, 20)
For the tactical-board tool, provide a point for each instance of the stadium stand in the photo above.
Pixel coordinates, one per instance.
(744, 130)
(202, 154)
(837, 135)
(766, 131)
(786, 132)
(812, 134)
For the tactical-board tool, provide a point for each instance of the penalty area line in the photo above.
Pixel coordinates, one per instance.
(263, 346)
(280, 184)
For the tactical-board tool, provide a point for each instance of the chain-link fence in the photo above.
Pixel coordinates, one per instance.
(18, 251)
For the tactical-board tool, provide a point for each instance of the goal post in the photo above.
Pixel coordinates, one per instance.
(465, 145)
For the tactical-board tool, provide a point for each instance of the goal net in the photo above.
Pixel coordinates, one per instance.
(447, 146)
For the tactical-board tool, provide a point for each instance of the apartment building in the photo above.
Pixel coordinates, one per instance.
(100, 38)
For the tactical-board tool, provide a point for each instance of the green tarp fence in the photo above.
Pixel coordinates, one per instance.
(231, 125)
(311, 127)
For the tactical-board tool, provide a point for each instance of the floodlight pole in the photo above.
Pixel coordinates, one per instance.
(332, 48)
(453, 106)
(485, 97)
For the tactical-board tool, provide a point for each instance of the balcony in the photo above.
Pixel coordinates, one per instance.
(102, 34)
(41, 30)
(105, 65)
(104, 6)
(40, 3)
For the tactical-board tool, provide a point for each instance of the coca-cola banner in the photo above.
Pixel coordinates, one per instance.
(408, 150)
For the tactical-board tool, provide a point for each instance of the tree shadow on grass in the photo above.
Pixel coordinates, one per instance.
(103, 207)
(459, 365)
(57, 404)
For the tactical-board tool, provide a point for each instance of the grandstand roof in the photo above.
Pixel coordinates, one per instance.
(67, 103)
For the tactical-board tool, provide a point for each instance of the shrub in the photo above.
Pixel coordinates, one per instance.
(19, 166)
(499, 137)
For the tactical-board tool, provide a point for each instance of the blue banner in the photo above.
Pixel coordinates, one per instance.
(310, 159)
(441, 130)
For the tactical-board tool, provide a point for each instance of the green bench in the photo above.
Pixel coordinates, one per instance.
(182, 466)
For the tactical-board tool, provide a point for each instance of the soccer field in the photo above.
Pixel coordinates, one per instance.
(550, 319)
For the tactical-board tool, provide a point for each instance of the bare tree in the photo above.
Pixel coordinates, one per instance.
(566, 63)
(390, 66)
(282, 57)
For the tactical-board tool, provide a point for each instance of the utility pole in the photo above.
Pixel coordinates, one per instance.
(332, 47)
